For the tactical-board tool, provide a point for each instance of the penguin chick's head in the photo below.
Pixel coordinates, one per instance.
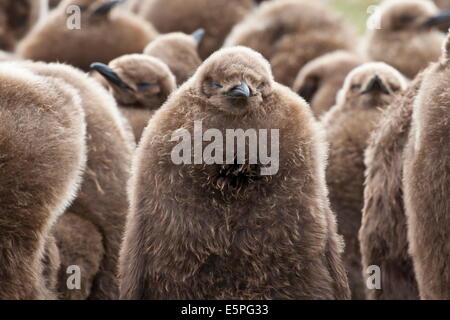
(138, 80)
(371, 85)
(94, 10)
(410, 15)
(236, 80)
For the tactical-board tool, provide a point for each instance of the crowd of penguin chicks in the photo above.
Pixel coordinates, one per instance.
(86, 177)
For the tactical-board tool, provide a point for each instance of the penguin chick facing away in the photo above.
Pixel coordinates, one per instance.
(42, 155)
(102, 199)
(407, 38)
(427, 182)
(179, 51)
(319, 81)
(367, 90)
(140, 85)
(217, 18)
(228, 231)
(383, 233)
(290, 33)
(103, 34)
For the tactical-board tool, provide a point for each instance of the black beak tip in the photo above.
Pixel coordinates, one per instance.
(240, 91)
(198, 36)
(442, 17)
(107, 7)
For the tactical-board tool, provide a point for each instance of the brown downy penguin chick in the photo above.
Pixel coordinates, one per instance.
(319, 81)
(102, 199)
(366, 90)
(290, 33)
(427, 182)
(179, 51)
(42, 155)
(383, 233)
(17, 17)
(103, 34)
(407, 38)
(217, 18)
(140, 85)
(232, 231)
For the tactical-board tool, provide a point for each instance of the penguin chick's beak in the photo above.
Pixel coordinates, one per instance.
(375, 84)
(198, 36)
(240, 91)
(110, 75)
(107, 7)
(441, 18)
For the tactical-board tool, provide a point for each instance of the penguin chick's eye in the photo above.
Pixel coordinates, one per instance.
(144, 86)
(261, 85)
(406, 19)
(356, 87)
(216, 85)
(394, 88)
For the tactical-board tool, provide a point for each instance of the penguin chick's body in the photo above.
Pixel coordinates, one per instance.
(102, 199)
(349, 124)
(179, 51)
(230, 231)
(103, 34)
(290, 33)
(319, 81)
(383, 233)
(42, 155)
(217, 18)
(407, 37)
(427, 182)
(140, 85)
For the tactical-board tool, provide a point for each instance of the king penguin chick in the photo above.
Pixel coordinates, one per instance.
(42, 155)
(102, 34)
(290, 33)
(366, 90)
(217, 18)
(319, 81)
(102, 199)
(179, 51)
(383, 233)
(427, 182)
(140, 85)
(240, 230)
(407, 37)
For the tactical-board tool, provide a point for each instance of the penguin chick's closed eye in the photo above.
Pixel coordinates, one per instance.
(100, 34)
(367, 89)
(383, 233)
(42, 156)
(290, 33)
(319, 81)
(407, 36)
(227, 230)
(140, 84)
(217, 17)
(427, 182)
(179, 51)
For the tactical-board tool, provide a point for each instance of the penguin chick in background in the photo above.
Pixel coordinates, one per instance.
(319, 81)
(231, 230)
(140, 85)
(179, 51)
(367, 90)
(101, 34)
(290, 33)
(426, 182)
(217, 17)
(407, 36)
(42, 157)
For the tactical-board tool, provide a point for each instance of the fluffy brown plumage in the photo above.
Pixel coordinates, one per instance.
(102, 199)
(42, 155)
(179, 51)
(140, 85)
(319, 81)
(217, 18)
(226, 231)
(383, 233)
(367, 89)
(407, 37)
(104, 35)
(427, 182)
(290, 33)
